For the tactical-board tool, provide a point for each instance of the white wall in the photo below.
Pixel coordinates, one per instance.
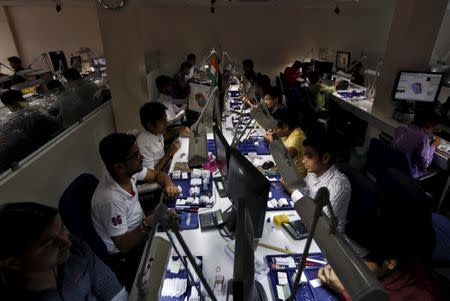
(45, 177)
(442, 45)
(39, 29)
(273, 36)
(122, 39)
(7, 45)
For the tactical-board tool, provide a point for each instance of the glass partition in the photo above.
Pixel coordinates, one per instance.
(42, 116)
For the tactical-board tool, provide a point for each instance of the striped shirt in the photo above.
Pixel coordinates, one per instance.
(339, 188)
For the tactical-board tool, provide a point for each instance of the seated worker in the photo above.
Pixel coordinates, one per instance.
(272, 99)
(403, 278)
(40, 261)
(319, 91)
(116, 212)
(191, 59)
(16, 64)
(165, 87)
(414, 141)
(151, 140)
(181, 80)
(292, 73)
(291, 135)
(307, 68)
(248, 66)
(321, 172)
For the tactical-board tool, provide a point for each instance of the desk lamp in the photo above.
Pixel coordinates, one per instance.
(286, 166)
(143, 285)
(198, 149)
(357, 279)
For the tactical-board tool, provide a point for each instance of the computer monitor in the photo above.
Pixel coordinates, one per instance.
(247, 184)
(412, 86)
(58, 60)
(98, 62)
(222, 153)
(243, 285)
(323, 67)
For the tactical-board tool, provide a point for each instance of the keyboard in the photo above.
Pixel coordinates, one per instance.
(296, 229)
(210, 220)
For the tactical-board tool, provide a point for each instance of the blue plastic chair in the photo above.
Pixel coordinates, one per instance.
(75, 210)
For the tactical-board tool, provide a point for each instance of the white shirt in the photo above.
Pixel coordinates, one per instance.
(339, 188)
(172, 109)
(115, 211)
(151, 148)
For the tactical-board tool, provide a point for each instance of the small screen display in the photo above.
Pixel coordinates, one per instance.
(414, 86)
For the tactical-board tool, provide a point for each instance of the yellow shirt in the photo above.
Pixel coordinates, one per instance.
(295, 140)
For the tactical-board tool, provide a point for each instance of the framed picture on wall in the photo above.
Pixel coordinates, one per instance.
(342, 60)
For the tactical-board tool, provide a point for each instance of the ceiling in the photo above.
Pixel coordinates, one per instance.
(219, 3)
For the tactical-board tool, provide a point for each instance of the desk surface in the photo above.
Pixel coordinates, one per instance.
(362, 108)
(210, 244)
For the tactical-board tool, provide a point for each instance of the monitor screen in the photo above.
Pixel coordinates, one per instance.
(323, 66)
(417, 86)
(247, 184)
(98, 61)
(222, 153)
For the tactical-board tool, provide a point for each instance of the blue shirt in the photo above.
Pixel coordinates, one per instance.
(414, 142)
(83, 277)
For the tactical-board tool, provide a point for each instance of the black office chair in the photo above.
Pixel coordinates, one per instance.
(363, 206)
(382, 155)
(75, 210)
(441, 252)
(409, 206)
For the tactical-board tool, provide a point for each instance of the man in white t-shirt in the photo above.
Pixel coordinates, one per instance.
(115, 209)
(151, 140)
(318, 160)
